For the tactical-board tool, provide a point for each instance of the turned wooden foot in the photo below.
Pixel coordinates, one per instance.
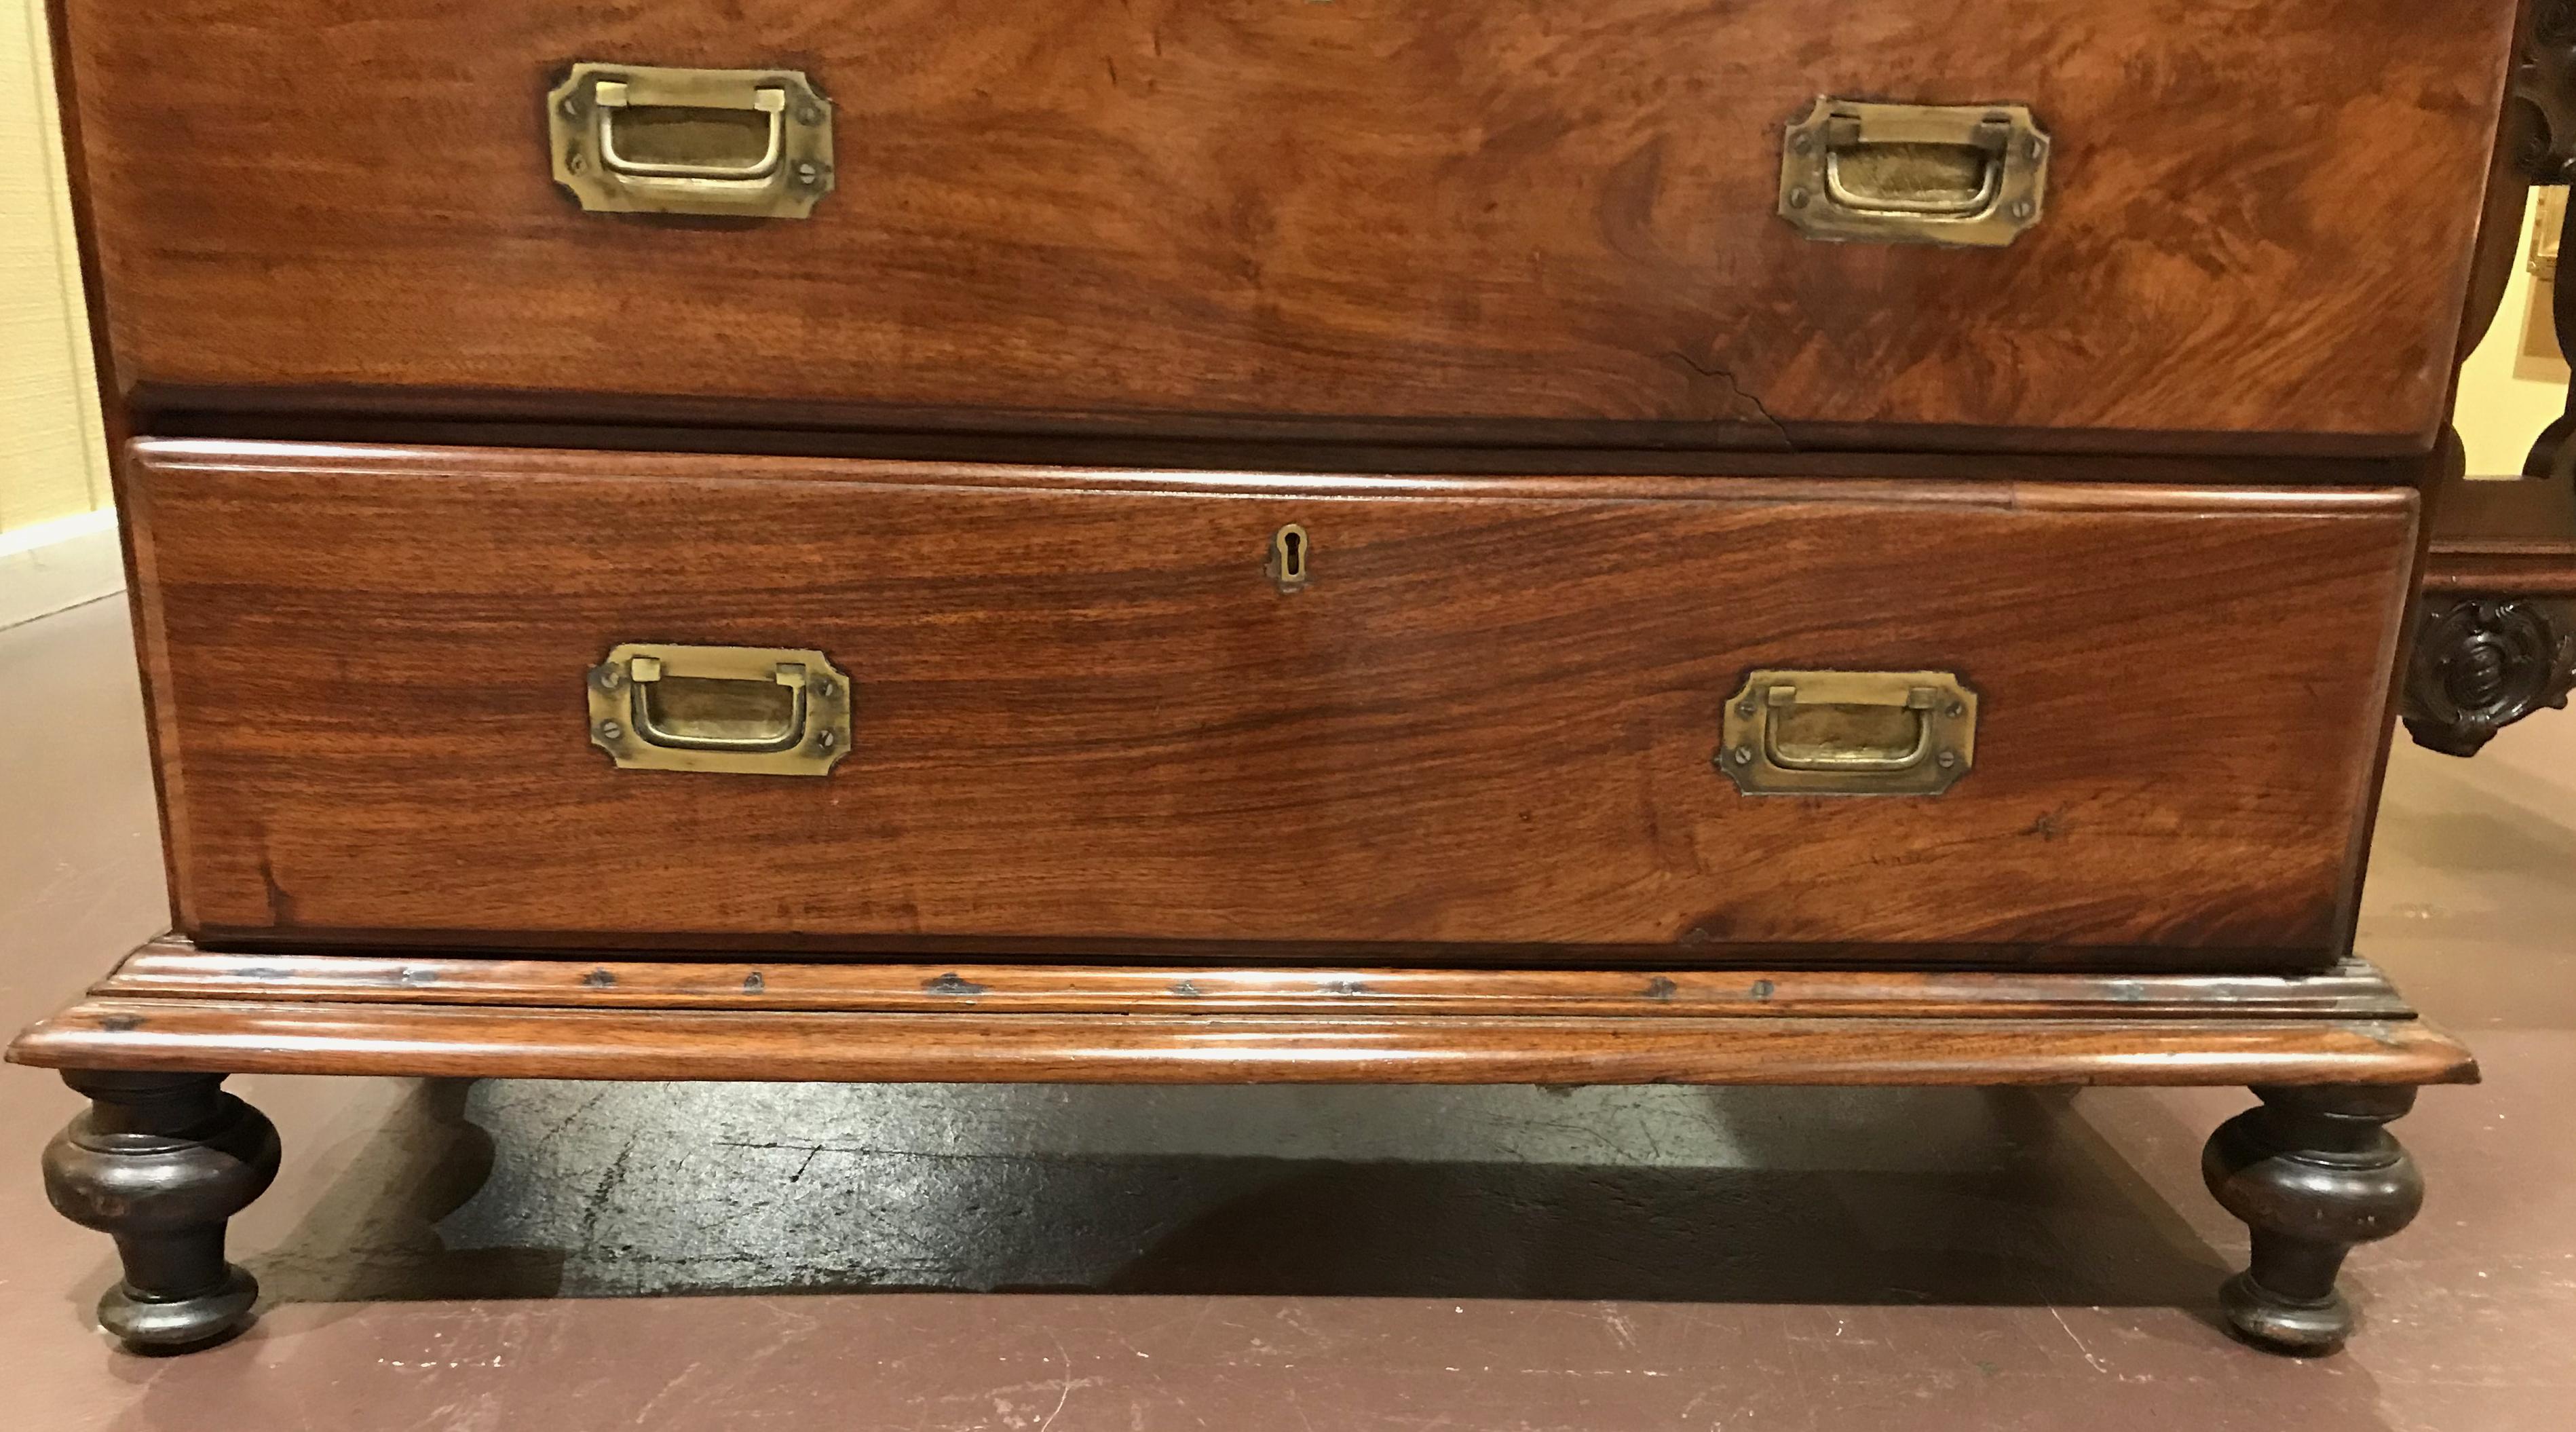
(2313, 1172)
(160, 1162)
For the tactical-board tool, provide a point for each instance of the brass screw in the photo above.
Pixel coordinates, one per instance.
(2034, 147)
(808, 115)
(1741, 755)
(2024, 209)
(808, 173)
(574, 163)
(1955, 710)
(1946, 759)
(1748, 709)
(608, 678)
(1798, 198)
(610, 731)
(1801, 143)
(824, 740)
(823, 689)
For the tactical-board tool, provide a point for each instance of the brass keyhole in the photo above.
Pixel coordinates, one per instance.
(1292, 555)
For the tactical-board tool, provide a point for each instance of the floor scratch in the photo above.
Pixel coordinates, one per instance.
(2069, 1328)
(1067, 1394)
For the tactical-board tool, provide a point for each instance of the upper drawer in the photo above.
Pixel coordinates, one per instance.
(1381, 218)
(1072, 709)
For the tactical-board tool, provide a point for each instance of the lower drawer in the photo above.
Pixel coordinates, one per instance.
(1487, 719)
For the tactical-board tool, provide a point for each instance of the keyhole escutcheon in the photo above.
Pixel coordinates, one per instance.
(1292, 557)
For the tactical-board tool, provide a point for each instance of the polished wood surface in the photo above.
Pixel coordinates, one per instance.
(1920, 1029)
(1087, 719)
(173, 967)
(2514, 537)
(1372, 218)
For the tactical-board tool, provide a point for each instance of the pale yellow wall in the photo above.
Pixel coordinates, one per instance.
(52, 462)
(2501, 412)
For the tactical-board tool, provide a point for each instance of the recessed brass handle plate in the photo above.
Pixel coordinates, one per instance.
(749, 710)
(1849, 733)
(1971, 176)
(635, 139)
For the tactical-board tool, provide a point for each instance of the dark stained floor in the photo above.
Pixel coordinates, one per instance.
(566, 1257)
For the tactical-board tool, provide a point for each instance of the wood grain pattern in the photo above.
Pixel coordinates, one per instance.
(1087, 721)
(173, 967)
(1500, 223)
(2534, 569)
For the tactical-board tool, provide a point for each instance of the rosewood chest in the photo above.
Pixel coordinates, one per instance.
(1198, 540)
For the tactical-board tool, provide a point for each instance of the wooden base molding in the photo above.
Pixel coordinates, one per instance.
(163, 1158)
(868, 1047)
(172, 1007)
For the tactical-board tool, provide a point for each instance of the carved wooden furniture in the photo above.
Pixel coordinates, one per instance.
(1202, 541)
(2495, 636)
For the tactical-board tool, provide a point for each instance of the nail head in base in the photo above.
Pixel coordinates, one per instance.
(2278, 1325)
(180, 1324)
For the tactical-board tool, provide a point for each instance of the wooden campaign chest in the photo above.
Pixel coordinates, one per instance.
(1208, 541)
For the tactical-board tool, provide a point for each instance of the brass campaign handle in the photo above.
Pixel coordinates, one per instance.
(616, 96)
(1971, 176)
(746, 710)
(639, 139)
(1851, 733)
(1858, 758)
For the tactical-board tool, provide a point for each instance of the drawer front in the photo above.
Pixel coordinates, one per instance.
(1087, 710)
(1375, 218)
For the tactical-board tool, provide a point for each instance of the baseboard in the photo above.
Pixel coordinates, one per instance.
(58, 564)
